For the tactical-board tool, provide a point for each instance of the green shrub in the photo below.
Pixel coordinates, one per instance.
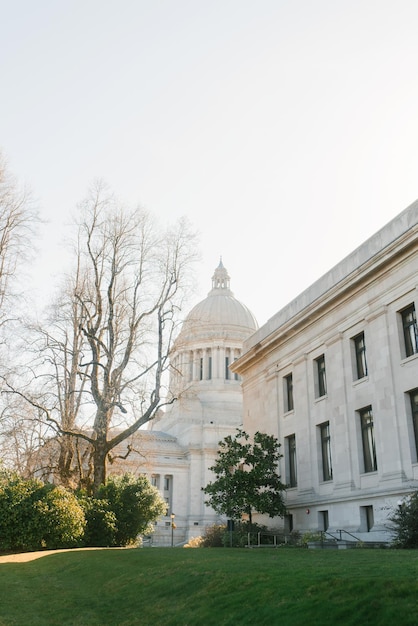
(238, 538)
(135, 503)
(244, 532)
(293, 539)
(309, 536)
(62, 517)
(405, 523)
(35, 516)
(214, 536)
(101, 523)
(218, 535)
(18, 529)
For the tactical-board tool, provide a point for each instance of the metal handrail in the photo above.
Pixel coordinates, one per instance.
(340, 533)
(277, 538)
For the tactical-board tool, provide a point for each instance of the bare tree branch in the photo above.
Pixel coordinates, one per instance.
(105, 352)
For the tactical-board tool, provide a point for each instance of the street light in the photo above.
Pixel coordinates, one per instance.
(173, 526)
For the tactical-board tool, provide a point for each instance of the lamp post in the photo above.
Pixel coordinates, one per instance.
(172, 529)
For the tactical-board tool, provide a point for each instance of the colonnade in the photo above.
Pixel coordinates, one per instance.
(200, 364)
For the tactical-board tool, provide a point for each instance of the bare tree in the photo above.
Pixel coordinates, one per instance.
(58, 348)
(17, 218)
(22, 438)
(17, 221)
(119, 318)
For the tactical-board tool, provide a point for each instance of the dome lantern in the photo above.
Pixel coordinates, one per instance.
(221, 279)
(219, 313)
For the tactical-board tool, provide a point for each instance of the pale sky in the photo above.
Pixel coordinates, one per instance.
(285, 130)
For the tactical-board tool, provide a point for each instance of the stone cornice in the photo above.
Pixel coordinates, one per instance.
(338, 285)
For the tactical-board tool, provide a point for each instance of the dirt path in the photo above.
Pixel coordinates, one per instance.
(31, 556)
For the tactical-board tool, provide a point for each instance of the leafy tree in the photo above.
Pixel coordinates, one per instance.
(405, 522)
(135, 503)
(246, 477)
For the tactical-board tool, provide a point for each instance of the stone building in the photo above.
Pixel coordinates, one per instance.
(334, 375)
(181, 442)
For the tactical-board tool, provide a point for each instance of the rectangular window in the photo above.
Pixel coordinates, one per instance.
(201, 368)
(366, 518)
(323, 520)
(326, 451)
(292, 479)
(155, 480)
(321, 378)
(360, 353)
(288, 523)
(236, 376)
(210, 368)
(367, 436)
(413, 396)
(288, 393)
(227, 368)
(168, 491)
(410, 330)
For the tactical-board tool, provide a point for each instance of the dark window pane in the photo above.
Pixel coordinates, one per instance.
(410, 331)
(291, 450)
(227, 368)
(360, 349)
(326, 451)
(322, 380)
(413, 395)
(289, 393)
(367, 434)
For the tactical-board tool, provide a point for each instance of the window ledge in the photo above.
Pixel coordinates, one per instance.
(408, 359)
(320, 398)
(359, 381)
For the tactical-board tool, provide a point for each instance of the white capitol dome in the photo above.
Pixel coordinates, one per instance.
(211, 337)
(219, 310)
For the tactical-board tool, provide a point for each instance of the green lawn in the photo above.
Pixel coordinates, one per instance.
(212, 586)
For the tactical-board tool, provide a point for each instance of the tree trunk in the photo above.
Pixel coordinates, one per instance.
(65, 470)
(99, 464)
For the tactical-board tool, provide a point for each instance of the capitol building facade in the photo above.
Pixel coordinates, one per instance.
(333, 375)
(181, 443)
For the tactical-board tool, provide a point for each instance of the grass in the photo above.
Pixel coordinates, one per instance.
(213, 586)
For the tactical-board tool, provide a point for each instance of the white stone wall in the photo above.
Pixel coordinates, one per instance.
(323, 321)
